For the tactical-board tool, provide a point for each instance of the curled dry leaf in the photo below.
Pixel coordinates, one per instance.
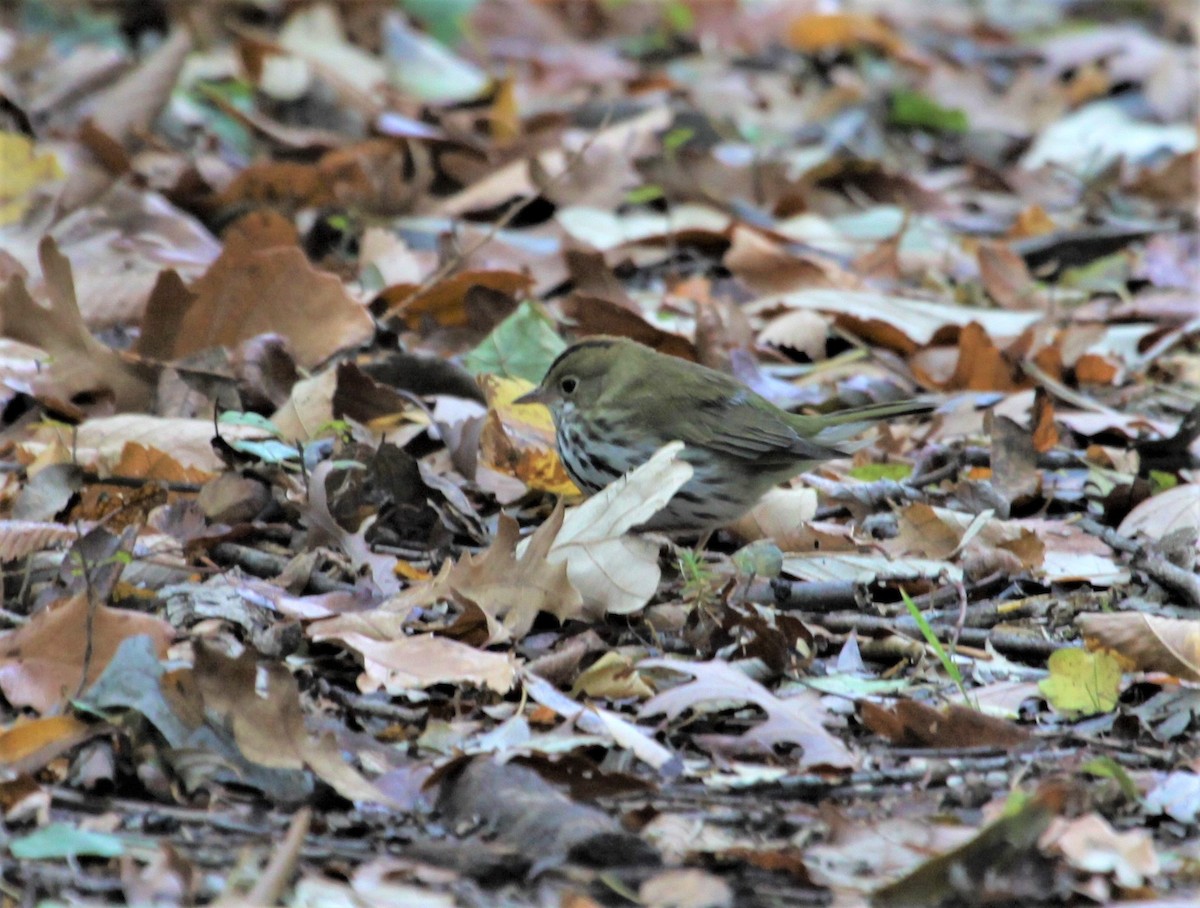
(79, 364)
(615, 571)
(1151, 643)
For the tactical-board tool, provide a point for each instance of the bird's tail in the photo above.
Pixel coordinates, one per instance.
(874, 412)
(835, 428)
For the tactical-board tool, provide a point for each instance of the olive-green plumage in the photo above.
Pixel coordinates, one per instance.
(615, 402)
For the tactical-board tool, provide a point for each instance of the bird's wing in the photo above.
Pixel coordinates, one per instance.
(738, 425)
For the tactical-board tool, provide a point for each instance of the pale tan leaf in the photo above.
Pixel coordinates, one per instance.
(617, 572)
(1152, 643)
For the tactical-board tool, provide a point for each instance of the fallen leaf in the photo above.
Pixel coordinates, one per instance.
(1151, 643)
(516, 588)
(1082, 683)
(795, 720)
(79, 364)
(248, 291)
(42, 663)
(403, 663)
(519, 440)
(615, 571)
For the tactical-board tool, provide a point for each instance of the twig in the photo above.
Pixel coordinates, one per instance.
(276, 876)
(1147, 558)
(1004, 641)
(266, 565)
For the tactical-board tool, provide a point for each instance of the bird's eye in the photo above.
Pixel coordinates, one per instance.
(569, 384)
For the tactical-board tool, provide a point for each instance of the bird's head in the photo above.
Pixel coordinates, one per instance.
(581, 374)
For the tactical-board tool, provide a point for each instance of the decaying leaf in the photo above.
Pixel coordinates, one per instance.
(795, 720)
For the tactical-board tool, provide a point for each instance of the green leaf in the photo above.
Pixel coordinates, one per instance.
(1108, 274)
(59, 840)
(254, 420)
(522, 346)
(914, 109)
(643, 194)
(269, 451)
(1161, 480)
(444, 19)
(680, 18)
(948, 664)
(1082, 682)
(678, 137)
(870, 472)
(761, 558)
(1108, 768)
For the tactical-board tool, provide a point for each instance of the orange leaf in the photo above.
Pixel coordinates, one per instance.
(28, 746)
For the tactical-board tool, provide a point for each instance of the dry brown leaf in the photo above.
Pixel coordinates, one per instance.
(1091, 845)
(1043, 428)
(802, 330)
(519, 440)
(614, 570)
(248, 292)
(19, 538)
(782, 515)
(1166, 512)
(613, 676)
(817, 32)
(139, 461)
(100, 443)
(1005, 276)
(764, 266)
(445, 303)
(912, 724)
(28, 746)
(42, 662)
(79, 364)
(898, 323)
(405, 663)
(260, 704)
(516, 588)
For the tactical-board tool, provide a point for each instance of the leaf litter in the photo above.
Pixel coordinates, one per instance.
(299, 606)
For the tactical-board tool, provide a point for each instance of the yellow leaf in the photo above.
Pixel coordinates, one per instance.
(519, 440)
(613, 676)
(505, 117)
(22, 171)
(1082, 682)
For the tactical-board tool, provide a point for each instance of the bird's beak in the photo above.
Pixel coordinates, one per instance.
(536, 396)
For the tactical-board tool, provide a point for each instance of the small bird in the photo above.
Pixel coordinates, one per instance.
(615, 402)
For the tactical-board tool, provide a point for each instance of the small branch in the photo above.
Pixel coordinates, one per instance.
(266, 565)
(1146, 557)
(275, 877)
(1025, 645)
